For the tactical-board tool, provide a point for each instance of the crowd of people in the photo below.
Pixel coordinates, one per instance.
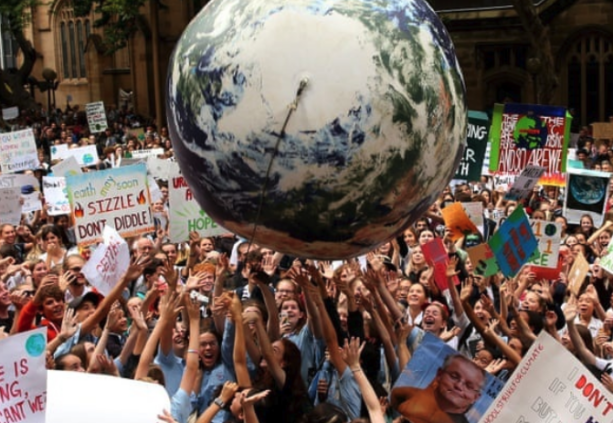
(236, 332)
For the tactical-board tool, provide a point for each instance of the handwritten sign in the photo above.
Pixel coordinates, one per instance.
(587, 192)
(30, 190)
(59, 152)
(18, 151)
(483, 260)
(436, 254)
(23, 377)
(548, 236)
(525, 183)
(56, 197)
(116, 197)
(524, 135)
(96, 117)
(108, 262)
(10, 113)
(457, 221)
(551, 385)
(476, 143)
(10, 205)
(185, 213)
(143, 154)
(67, 167)
(514, 243)
(606, 262)
(160, 168)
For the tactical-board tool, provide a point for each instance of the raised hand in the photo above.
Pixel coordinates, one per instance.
(570, 312)
(69, 324)
(269, 266)
(136, 267)
(450, 272)
(222, 267)
(351, 352)
(67, 279)
(246, 399)
(138, 319)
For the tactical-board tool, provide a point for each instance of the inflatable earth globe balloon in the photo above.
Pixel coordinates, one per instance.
(317, 128)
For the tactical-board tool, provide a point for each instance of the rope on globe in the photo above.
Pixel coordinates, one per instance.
(292, 108)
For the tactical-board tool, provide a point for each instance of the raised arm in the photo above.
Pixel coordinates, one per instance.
(275, 368)
(239, 354)
(585, 355)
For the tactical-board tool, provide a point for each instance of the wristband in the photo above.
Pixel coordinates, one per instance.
(219, 402)
(356, 370)
(193, 351)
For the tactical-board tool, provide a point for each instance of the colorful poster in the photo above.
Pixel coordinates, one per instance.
(606, 262)
(108, 262)
(587, 193)
(18, 151)
(56, 196)
(96, 117)
(548, 236)
(475, 214)
(525, 134)
(441, 385)
(577, 274)
(185, 213)
(514, 243)
(10, 205)
(67, 167)
(476, 143)
(23, 377)
(435, 253)
(483, 260)
(551, 385)
(84, 397)
(525, 183)
(116, 197)
(457, 221)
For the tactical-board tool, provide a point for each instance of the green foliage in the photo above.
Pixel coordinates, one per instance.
(18, 12)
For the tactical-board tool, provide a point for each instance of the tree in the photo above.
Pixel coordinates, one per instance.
(543, 66)
(13, 81)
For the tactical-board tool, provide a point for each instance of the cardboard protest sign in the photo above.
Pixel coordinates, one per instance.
(457, 221)
(143, 154)
(10, 205)
(602, 130)
(134, 401)
(483, 260)
(436, 254)
(577, 274)
(423, 389)
(108, 262)
(96, 117)
(67, 167)
(548, 235)
(551, 385)
(116, 197)
(18, 151)
(476, 143)
(514, 243)
(23, 377)
(185, 213)
(526, 134)
(587, 193)
(525, 183)
(10, 113)
(56, 196)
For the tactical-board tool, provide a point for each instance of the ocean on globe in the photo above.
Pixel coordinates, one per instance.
(318, 128)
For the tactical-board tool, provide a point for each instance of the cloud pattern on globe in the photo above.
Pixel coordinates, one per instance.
(375, 137)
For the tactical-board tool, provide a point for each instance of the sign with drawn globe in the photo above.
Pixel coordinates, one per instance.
(319, 128)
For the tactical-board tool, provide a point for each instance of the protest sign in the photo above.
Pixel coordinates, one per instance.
(476, 142)
(92, 398)
(154, 190)
(59, 152)
(475, 214)
(160, 168)
(577, 274)
(525, 183)
(10, 205)
(143, 154)
(514, 243)
(56, 197)
(10, 113)
(548, 235)
(67, 167)
(185, 213)
(551, 385)
(108, 262)
(606, 261)
(428, 377)
(18, 151)
(524, 134)
(85, 156)
(96, 117)
(587, 193)
(29, 188)
(602, 130)
(116, 197)
(457, 221)
(483, 260)
(435, 253)
(23, 377)
(503, 182)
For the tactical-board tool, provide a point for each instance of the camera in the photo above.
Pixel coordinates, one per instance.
(196, 296)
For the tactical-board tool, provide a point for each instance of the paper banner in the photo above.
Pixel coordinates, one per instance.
(513, 243)
(108, 262)
(577, 274)
(587, 193)
(10, 113)
(185, 213)
(96, 117)
(143, 154)
(457, 221)
(602, 130)
(483, 260)
(23, 377)
(67, 167)
(525, 183)
(18, 151)
(476, 143)
(551, 385)
(525, 134)
(116, 197)
(160, 168)
(436, 255)
(84, 397)
(56, 196)
(10, 205)
(425, 385)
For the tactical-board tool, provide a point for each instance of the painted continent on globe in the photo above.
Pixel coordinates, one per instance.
(376, 135)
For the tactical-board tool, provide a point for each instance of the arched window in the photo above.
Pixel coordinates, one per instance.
(73, 33)
(588, 76)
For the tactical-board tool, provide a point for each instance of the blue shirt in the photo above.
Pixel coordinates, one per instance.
(172, 367)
